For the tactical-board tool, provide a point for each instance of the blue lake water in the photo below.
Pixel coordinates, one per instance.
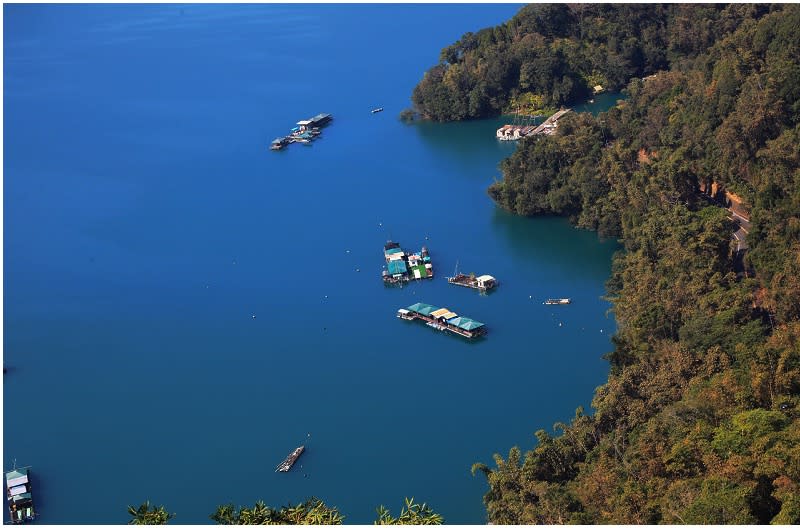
(146, 223)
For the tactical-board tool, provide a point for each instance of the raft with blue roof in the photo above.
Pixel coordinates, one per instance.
(402, 267)
(443, 319)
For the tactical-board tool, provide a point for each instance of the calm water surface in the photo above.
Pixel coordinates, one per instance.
(184, 307)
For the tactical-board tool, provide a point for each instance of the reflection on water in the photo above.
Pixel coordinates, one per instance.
(600, 103)
(552, 239)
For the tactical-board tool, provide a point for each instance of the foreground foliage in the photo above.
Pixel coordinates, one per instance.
(147, 514)
(410, 514)
(314, 511)
(698, 420)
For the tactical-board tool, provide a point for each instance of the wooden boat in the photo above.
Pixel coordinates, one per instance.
(557, 301)
(289, 461)
(18, 493)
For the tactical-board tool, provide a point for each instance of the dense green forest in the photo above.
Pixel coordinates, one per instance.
(557, 53)
(698, 422)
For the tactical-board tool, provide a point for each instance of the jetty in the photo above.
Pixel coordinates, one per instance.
(443, 319)
(305, 132)
(515, 132)
(557, 301)
(551, 123)
(289, 461)
(402, 266)
(18, 494)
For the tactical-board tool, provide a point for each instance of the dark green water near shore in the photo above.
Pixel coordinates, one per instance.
(183, 307)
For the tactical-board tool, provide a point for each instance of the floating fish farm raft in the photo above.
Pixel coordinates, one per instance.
(18, 495)
(305, 132)
(483, 283)
(402, 267)
(443, 319)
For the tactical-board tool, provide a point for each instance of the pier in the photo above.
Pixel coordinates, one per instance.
(443, 319)
(515, 132)
(550, 124)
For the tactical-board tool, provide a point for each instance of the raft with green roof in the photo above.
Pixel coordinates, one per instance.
(443, 319)
(402, 267)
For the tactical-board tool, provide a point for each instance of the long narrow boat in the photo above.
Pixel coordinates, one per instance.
(289, 461)
(558, 301)
(18, 493)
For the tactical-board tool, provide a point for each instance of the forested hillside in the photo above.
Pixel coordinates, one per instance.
(698, 422)
(555, 53)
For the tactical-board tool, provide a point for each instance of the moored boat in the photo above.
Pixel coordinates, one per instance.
(279, 143)
(289, 461)
(18, 493)
(558, 301)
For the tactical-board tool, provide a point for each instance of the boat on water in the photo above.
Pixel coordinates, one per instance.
(18, 493)
(443, 319)
(289, 461)
(376, 110)
(279, 143)
(558, 301)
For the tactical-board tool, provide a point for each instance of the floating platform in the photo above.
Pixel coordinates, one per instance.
(402, 266)
(289, 461)
(483, 283)
(558, 301)
(18, 494)
(305, 132)
(443, 319)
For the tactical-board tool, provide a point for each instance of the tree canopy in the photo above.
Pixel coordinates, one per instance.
(147, 514)
(698, 420)
(559, 52)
